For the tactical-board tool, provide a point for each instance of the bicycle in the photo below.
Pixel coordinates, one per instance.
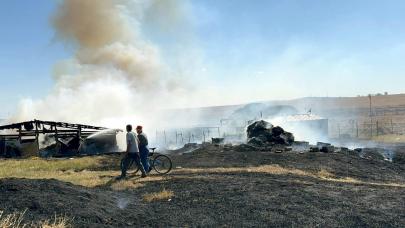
(161, 163)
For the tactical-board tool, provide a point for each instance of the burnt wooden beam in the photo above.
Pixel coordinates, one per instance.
(52, 124)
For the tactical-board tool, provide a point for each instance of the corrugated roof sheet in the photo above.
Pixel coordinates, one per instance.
(303, 117)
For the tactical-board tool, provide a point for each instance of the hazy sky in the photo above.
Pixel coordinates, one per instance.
(254, 50)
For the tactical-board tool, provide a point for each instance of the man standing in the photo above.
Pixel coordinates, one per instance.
(132, 154)
(143, 148)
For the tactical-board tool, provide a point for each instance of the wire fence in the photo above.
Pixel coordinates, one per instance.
(364, 129)
(179, 137)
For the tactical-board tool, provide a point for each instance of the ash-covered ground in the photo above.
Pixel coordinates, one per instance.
(218, 185)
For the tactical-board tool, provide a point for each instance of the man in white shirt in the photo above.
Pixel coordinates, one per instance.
(132, 153)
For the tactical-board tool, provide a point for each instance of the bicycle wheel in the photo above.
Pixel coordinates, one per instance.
(132, 168)
(162, 164)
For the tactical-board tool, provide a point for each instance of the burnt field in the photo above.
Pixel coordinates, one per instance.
(211, 186)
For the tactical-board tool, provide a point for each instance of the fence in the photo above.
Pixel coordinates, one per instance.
(364, 129)
(180, 137)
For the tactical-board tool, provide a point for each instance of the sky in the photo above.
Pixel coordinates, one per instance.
(240, 50)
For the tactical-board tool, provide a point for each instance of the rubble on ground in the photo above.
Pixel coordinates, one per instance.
(187, 148)
(372, 153)
(217, 141)
(399, 158)
(263, 136)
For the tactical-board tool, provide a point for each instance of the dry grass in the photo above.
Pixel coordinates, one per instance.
(323, 173)
(12, 220)
(76, 171)
(389, 138)
(250, 195)
(278, 170)
(15, 220)
(79, 171)
(33, 165)
(126, 185)
(270, 169)
(156, 196)
(83, 178)
(57, 222)
(349, 180)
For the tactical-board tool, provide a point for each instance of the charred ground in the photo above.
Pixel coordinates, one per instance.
(218, 186)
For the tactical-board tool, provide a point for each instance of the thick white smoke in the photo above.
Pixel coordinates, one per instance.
(116, 76)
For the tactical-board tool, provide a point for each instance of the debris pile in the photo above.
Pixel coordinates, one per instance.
(49, 138)
(264, 134)
(218, 141)
(399, 157)
(372, 153)
(325, 147)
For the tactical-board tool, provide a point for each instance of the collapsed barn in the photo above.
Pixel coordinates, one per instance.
(49, 138)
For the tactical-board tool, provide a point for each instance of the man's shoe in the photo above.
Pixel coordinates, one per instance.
(143, 175)
(120, 177)
(149, 170)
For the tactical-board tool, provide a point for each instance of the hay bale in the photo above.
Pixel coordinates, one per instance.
(262, 133)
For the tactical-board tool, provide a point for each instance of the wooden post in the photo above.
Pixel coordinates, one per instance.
(176, 138)
(392, 127)
(357, 129)
(352, 123)
(377, 126)
(79, 132)
(36, 134)
(57, 138)
(339, 130)
(56, 134)
(19, 133)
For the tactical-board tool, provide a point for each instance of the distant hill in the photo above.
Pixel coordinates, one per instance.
(326, 106)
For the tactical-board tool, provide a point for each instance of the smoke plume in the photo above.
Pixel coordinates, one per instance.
(115, 74)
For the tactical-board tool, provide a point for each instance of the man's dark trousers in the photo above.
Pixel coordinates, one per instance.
(144, 152)
(127, 161)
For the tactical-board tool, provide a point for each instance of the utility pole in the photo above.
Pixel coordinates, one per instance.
(369, 98)
(371, 117)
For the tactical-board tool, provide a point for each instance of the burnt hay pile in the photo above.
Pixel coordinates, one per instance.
(264, 134)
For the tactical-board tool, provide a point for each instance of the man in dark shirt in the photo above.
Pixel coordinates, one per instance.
(143, 148)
